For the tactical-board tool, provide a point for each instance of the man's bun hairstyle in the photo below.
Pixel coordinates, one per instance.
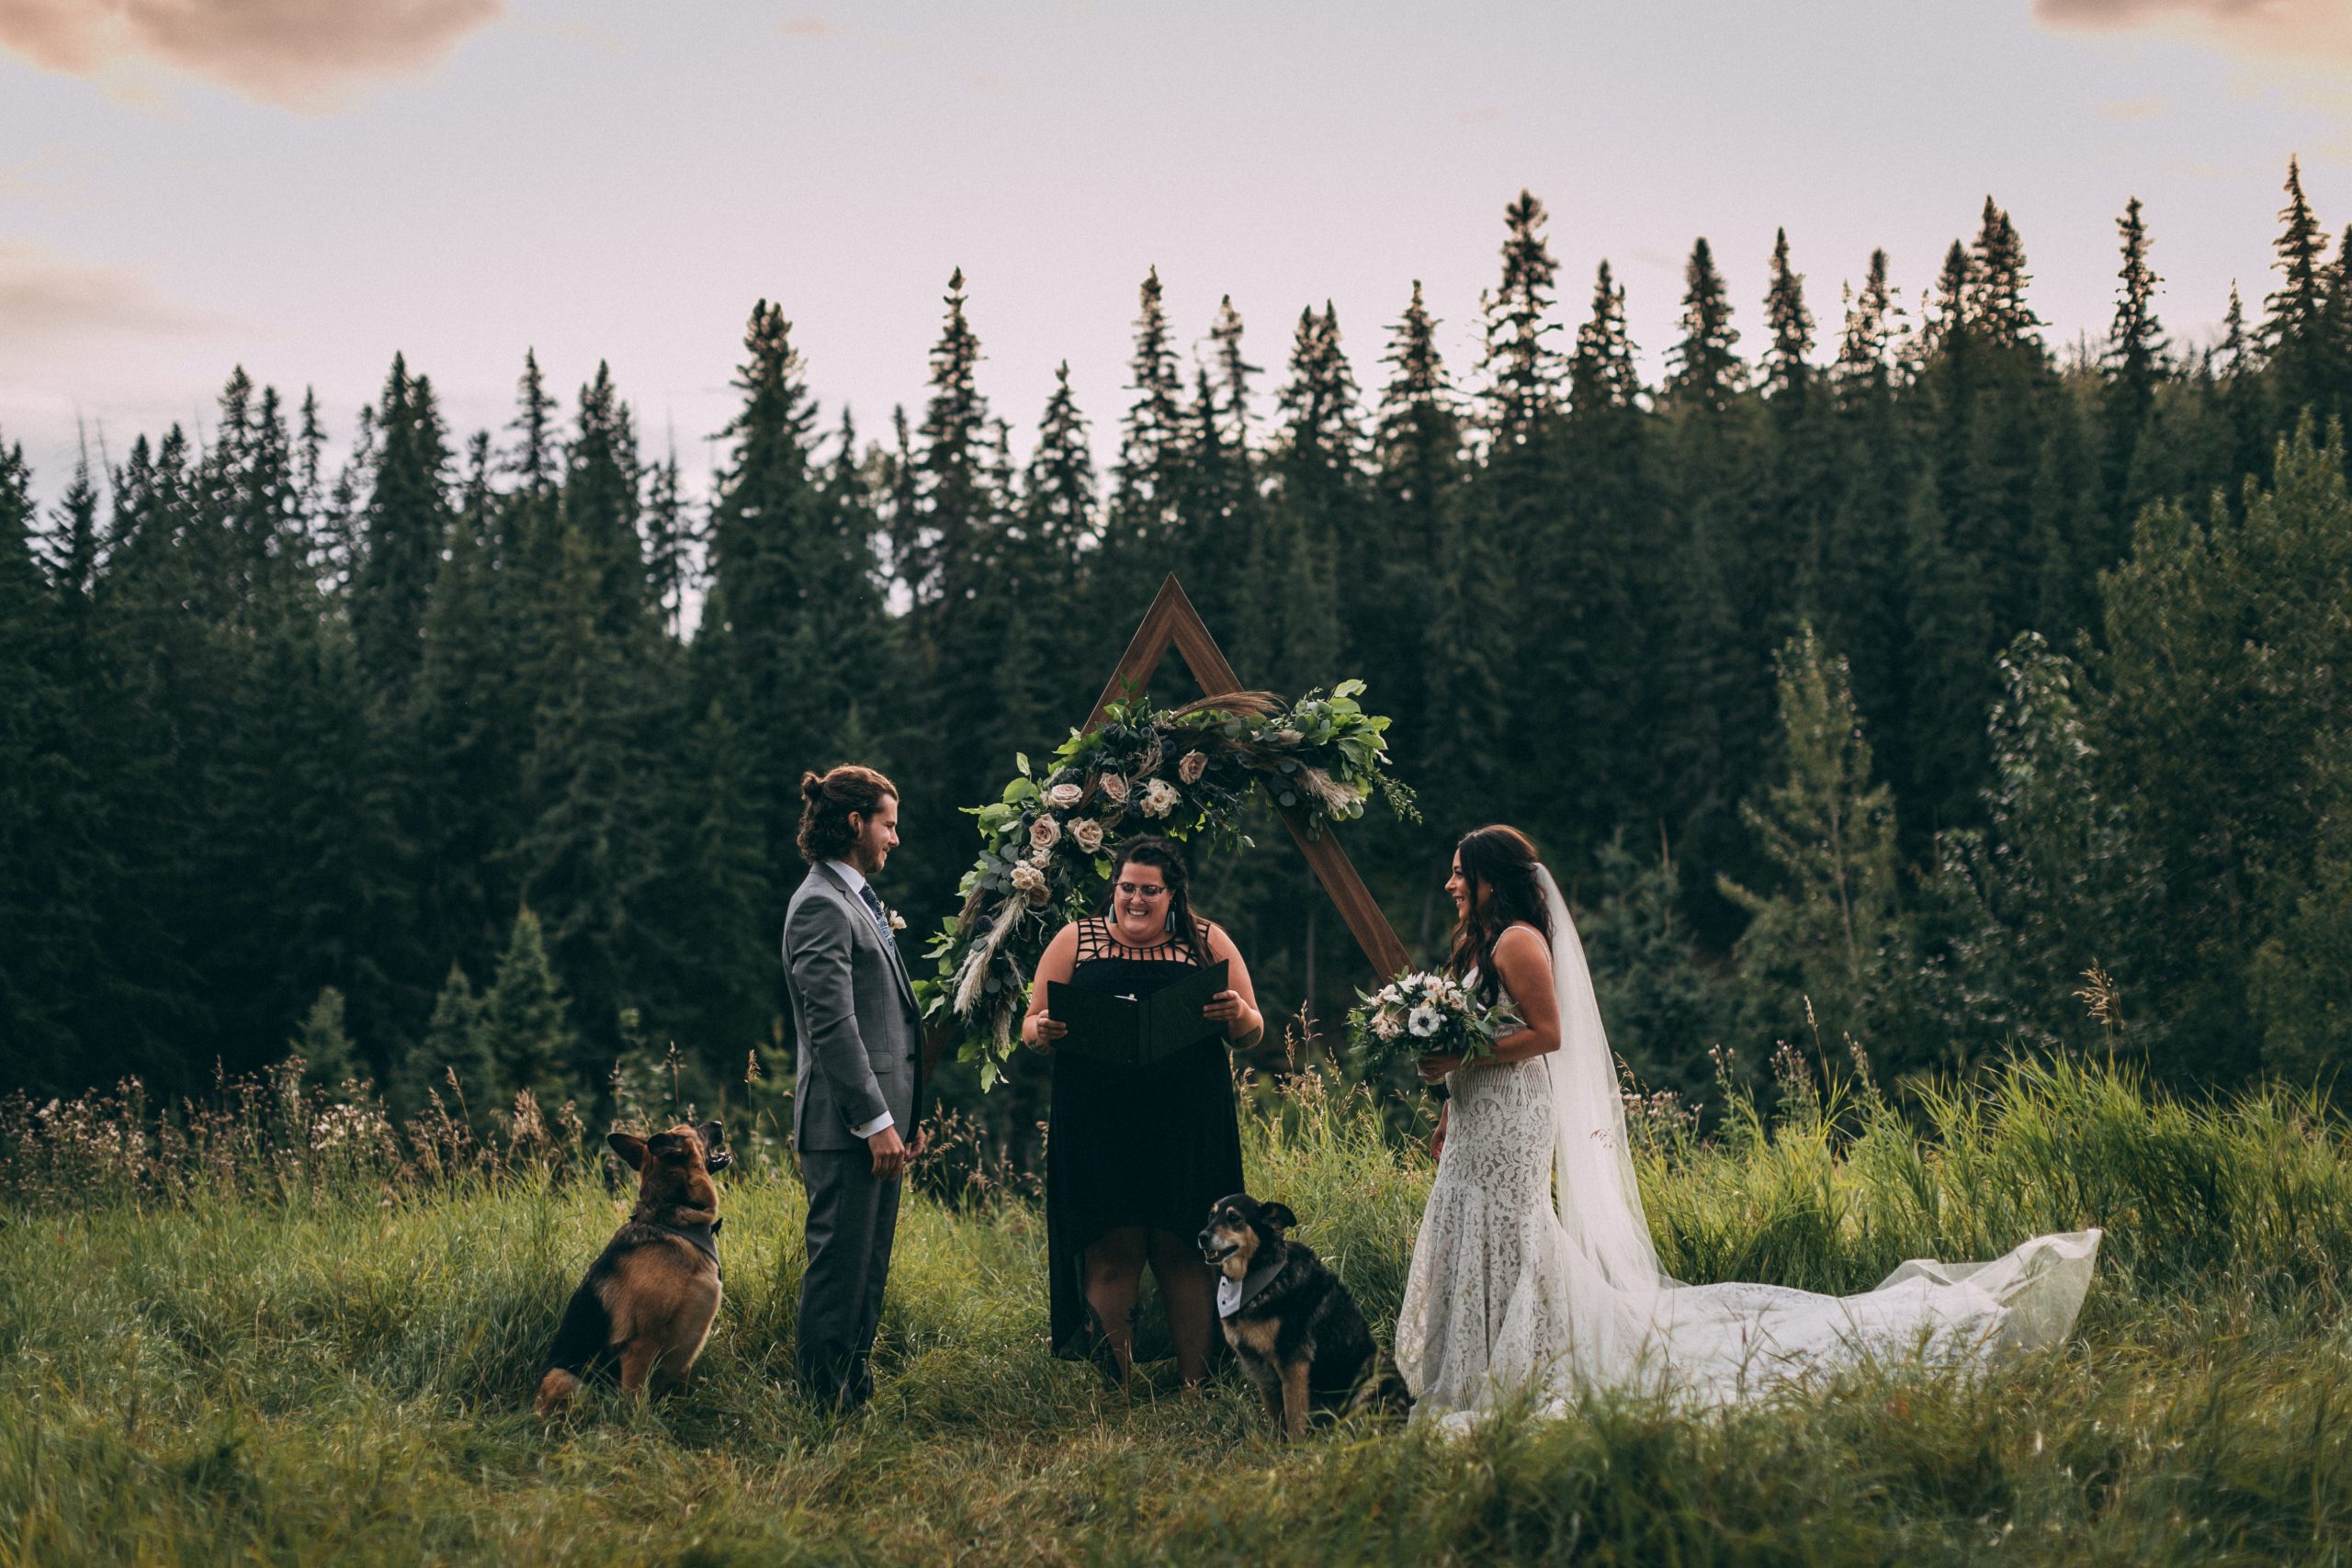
(828, 799)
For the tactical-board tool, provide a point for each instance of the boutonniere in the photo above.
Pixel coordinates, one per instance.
(897, 921)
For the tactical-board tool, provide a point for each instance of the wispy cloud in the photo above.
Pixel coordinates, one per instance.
(300, 54)
(808, 27)
(2132, 108)
(47, 298)
(2300, 32)
(1485, 114)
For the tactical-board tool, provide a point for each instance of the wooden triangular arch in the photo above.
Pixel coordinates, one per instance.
(1172, 622)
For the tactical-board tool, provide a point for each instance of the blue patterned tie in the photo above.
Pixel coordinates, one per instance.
(880, 918)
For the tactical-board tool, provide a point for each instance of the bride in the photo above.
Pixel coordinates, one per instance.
(1518, 1284)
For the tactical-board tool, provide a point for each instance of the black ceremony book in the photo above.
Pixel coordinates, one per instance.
(1132, 1032)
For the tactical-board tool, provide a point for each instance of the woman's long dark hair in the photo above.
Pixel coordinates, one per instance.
(1162, 855)
(1502, 860)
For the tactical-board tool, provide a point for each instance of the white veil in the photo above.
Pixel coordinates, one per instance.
(1599, 1198)
(1631, 1325)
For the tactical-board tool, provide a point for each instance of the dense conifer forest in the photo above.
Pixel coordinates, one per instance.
(1884, 670)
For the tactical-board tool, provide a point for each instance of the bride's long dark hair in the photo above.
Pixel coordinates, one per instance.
(1503, 860)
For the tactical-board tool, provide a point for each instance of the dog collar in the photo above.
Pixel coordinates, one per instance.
(1233, 1294)
(702, 1238)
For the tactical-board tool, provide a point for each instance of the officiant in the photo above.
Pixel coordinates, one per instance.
(1137, 1150)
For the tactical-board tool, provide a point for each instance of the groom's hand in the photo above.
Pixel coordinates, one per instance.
(889, 1154)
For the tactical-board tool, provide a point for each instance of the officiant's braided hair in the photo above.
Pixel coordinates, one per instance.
(827, 799)
(1502, 860)
(1162, 854)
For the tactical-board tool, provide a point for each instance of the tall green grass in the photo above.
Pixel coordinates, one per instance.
(279, 1335)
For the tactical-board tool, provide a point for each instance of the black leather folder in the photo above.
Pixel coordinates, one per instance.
(1134, 1033)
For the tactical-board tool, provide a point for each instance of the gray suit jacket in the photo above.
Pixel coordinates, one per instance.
(852, 1015)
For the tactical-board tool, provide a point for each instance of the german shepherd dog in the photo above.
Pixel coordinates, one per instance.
(1293, 1326)
(649, 1298)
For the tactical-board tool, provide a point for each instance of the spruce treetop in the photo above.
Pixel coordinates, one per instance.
(1996, 303)
(1522, 371)
(1151, 435)
(1234, 371)
(2296, 309)
(1862, 351)
(1704, 371)
(1601, 373)
(2136, 341)
(1786, 370)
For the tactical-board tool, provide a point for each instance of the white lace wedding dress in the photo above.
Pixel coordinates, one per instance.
(1519, 1285)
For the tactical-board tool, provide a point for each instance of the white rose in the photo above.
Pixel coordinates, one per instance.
(897, 921)
(1115, 789)
(1087, 834)
(1159, 799)
(1065, 794)
(1041, 859)
(1194, 765)
(1046, 832)
(1387, 1025)
(1425, 1022)
(1030, 881)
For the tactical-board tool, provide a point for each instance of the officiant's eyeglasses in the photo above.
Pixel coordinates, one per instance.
(1135, 890)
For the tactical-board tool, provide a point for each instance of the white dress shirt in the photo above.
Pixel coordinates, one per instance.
(856, 880)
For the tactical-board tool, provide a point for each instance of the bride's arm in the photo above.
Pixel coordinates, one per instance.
(1523, 964)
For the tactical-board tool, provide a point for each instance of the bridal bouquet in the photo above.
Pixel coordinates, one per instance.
(1419, 1015)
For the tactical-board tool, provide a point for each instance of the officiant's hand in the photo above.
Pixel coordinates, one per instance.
(1436, 1067)
(889, 1154)
(1049, 1028)
(1224, 1006)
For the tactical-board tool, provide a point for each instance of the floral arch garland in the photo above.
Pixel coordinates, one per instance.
(1051, 841)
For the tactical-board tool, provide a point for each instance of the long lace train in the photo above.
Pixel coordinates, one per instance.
(1534, 1266)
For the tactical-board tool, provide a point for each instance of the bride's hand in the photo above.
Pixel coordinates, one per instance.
(1437, 1139)
(1433, 1068)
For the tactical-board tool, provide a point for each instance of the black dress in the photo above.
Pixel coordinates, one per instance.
(1151, 1146)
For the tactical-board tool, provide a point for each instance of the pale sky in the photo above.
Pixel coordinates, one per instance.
(305, 187)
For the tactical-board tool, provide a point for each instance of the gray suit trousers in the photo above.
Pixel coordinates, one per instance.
(852, 1219)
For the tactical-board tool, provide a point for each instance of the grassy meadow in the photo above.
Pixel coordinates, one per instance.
(283, 1335)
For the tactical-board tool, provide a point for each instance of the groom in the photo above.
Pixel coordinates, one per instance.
(860, 1074)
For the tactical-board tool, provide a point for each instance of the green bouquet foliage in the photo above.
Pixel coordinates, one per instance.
(1050, 842)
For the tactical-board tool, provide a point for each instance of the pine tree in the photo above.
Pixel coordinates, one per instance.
(1059, 496)
(1792, 535)
(452, 1048)
(1233, 374)
(1315, 509)
(2295, 336)
(1864, 366)
(954, 499)
(669, 545)
(794, 629)
(1601, 373)
(1147, 481)
(1788, 370)
(404, 526)
(1830, 932)
(1704, 371)
(47, 920)
(1996, 303)
(526, 1021)
(325, 1046)
(1521, 370)
(2136, 365)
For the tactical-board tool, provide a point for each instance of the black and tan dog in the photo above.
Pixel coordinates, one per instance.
(649, 1298)
(1297, 1331)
